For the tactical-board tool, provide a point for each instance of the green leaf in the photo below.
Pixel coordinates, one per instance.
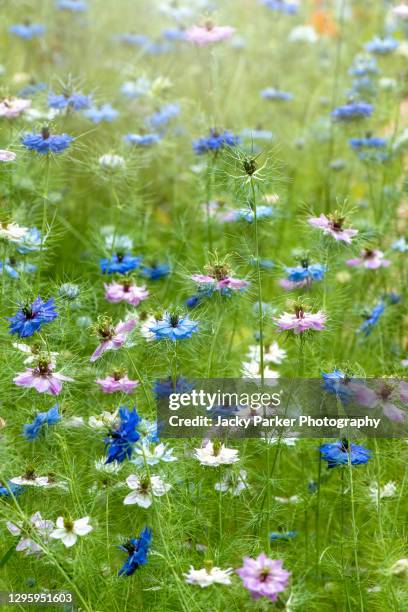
(7, 556)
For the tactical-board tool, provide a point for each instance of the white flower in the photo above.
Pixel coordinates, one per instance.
(233, 483)
(113, 162)
(387, 83)
(205, 577)
(68, 531)
(7, 156)
(37, 523)
(147, 453)
(294, 499)
(143, 490)
(12, 231)
(214, 454)
(108, 468)
(303, 33)
(273, 354)
(104, 420)
(35, 114)
(252, 369)
(400, 568)
(388, 490)
(33, 354)
(145, 327)
(75, 421)
(30, 479)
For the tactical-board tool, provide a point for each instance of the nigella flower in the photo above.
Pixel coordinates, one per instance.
(174, 327)
(372, 317)
(400, 245)
(10, 488)
(152, 454)
(76, 101)
(155, 271)
(248, 215)
(42, 378)
(270, 93)
(250, 134)
(264, 577)
(31, 431)
(208, 575)
(120, 263)
(333, 225)
(118, 381)
(125, 291)
(111, 338)
(42, 528)
(121, 438)
(219, 278)
(32, 88)
(31, 317)
(45, 142)
(111, 162)
(14, 268)
(303, 275)
(214, 454)
(7, 156)
(30, 242)
(137, 550)
(286, 7)
(372, 259)
(144, 488)
(233, 483)
(75, 6)
(363, 65)
(208, 34)
(300, 321)
(285, 535)
(382, 46)
(164, 115)
(68, 530)
(97, 114)
(174, 34)
(384, 397)
(142, 140)
(352, 111)
(10, 108)
(400, 11)
(215, 142)
(343, 453)
(338, 383)
(27, 30)
(164, 388)
(368, 142)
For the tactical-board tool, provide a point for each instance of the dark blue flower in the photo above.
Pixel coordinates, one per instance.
(45, 142)
(174, 327)
(372, 318)
(31, 431)
(97, 114)
(76, 101)
(11, 488)
(27, 30)
(215, 142)
(120, 263)
(353, 110)
(142, 140)
(193, 301)
(120, 440)
(343, 452)
(155, 271)
(336, 383)
(75, 6)
(382, 46)
(137, 550)
(31, 317)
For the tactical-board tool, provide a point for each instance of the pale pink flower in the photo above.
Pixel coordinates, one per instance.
(235, 284)
(42, 378)
(208, 34)
(117, 382)
(289, 285)
(264, 577)
(301, 321)
(113, 338)
(38, 524)
(125, 292)
(370, 259)
(334, 227)
(13, 107)
(7, 156)
(384, 397)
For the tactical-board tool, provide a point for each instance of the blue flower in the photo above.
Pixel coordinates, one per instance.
(139, 40)
(142, 140)
(31, 431)
(102, 113)
(249, 134)
(372, 318)
(11, 488)
(120, 440)
(120, 263)
(306, 271)
(155, 271)
(262, 212)
(46, 142)
(30, 242)
(281, 6)
(76, 6)
(76, 101)
(174, 34)
(270, 93)
(164, 388)
(400, 245)
(353, 110)
(370, 142)
(13, 268)
(31, 89)
(343, 452)
(215, 142)
(382, 46)
(174, 327)
(137, 550)
(27, 30)
(32, 317)
(363, 65)
(163, 116)
(285, 535)
(336, 383)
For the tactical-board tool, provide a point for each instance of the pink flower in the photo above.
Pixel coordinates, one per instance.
(13, 107)
(333, 226)
(264, 577)
(42, 378)
(205, 35)
(289, 285)
(113, 338)
(227, 282)
(400, 11)
(124, 292)
(370, 259)
(300, 321)
(117, 382)
(384, 397)
(7, 156)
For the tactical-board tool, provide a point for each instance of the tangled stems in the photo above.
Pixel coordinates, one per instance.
(45, 201)
(259, 279)
(355, 538)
